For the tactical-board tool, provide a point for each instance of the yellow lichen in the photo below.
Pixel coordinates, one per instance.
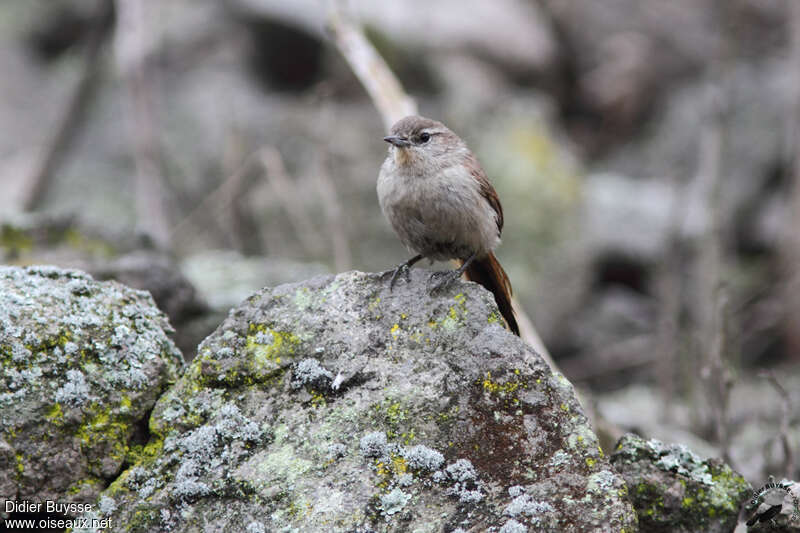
(317, 399)
(495, 387)
(269, 356)
(55, 414)
(399, 465)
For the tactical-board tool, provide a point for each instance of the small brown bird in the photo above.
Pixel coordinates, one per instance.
(440, 203)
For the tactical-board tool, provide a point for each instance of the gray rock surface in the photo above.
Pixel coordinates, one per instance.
(335, 405)
(82, 363)
(673, 490)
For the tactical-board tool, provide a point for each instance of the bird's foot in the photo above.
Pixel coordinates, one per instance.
(442, 280)
(403, 269)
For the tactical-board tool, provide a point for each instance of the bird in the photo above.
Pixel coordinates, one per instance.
(440, 203)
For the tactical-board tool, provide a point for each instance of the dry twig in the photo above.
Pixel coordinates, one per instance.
(786, 411)
(132, 41)
(372, 71)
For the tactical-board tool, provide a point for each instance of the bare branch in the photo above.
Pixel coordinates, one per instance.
(786, 411)
(372, 71)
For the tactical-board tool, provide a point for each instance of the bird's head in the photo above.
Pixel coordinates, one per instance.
(420, 141)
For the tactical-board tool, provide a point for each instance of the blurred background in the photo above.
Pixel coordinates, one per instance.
(645, 153)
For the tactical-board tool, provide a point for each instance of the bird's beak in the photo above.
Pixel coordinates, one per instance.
(398, 141)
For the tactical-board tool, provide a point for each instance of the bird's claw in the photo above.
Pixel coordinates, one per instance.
(448, 278)
(405, 270)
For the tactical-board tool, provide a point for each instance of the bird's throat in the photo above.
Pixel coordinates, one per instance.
(401, 157)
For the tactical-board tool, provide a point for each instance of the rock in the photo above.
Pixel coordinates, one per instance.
(160, 276)
(83, 363)
(674, 490)
(224, 277)
(174, 294)
(62, 239)
(69, 242)
(336, 405)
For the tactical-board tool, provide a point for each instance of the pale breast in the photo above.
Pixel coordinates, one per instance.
(441, 216)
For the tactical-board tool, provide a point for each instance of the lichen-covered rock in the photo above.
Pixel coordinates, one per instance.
(82, 363)
(673, 490)
(337, 405)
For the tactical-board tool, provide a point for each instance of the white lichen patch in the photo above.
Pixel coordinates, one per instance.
(601, 482)
(394, 502)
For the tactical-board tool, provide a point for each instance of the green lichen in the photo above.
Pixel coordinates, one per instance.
(55, 414)
(143, 455)
(727, 489)
(125, 403)
(144, 519)
(710, 489)
(270, 356)
(92, 483)
(101, 427)
(446, 416)
(394, 415)
(374, 303)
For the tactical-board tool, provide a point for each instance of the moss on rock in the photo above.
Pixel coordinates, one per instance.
(672, 489)
(83, 363)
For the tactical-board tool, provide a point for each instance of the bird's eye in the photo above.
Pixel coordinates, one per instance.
(424, 137)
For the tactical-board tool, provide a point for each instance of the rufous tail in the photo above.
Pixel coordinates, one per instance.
(487, 271)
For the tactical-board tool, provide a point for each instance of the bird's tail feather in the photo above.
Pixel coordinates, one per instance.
(487, 272)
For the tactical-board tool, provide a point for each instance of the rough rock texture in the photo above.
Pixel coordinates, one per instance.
(83, 363)
(673, 490)
(335, 405)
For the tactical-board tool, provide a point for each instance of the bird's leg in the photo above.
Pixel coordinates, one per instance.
(403, 268)
(448, 276)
